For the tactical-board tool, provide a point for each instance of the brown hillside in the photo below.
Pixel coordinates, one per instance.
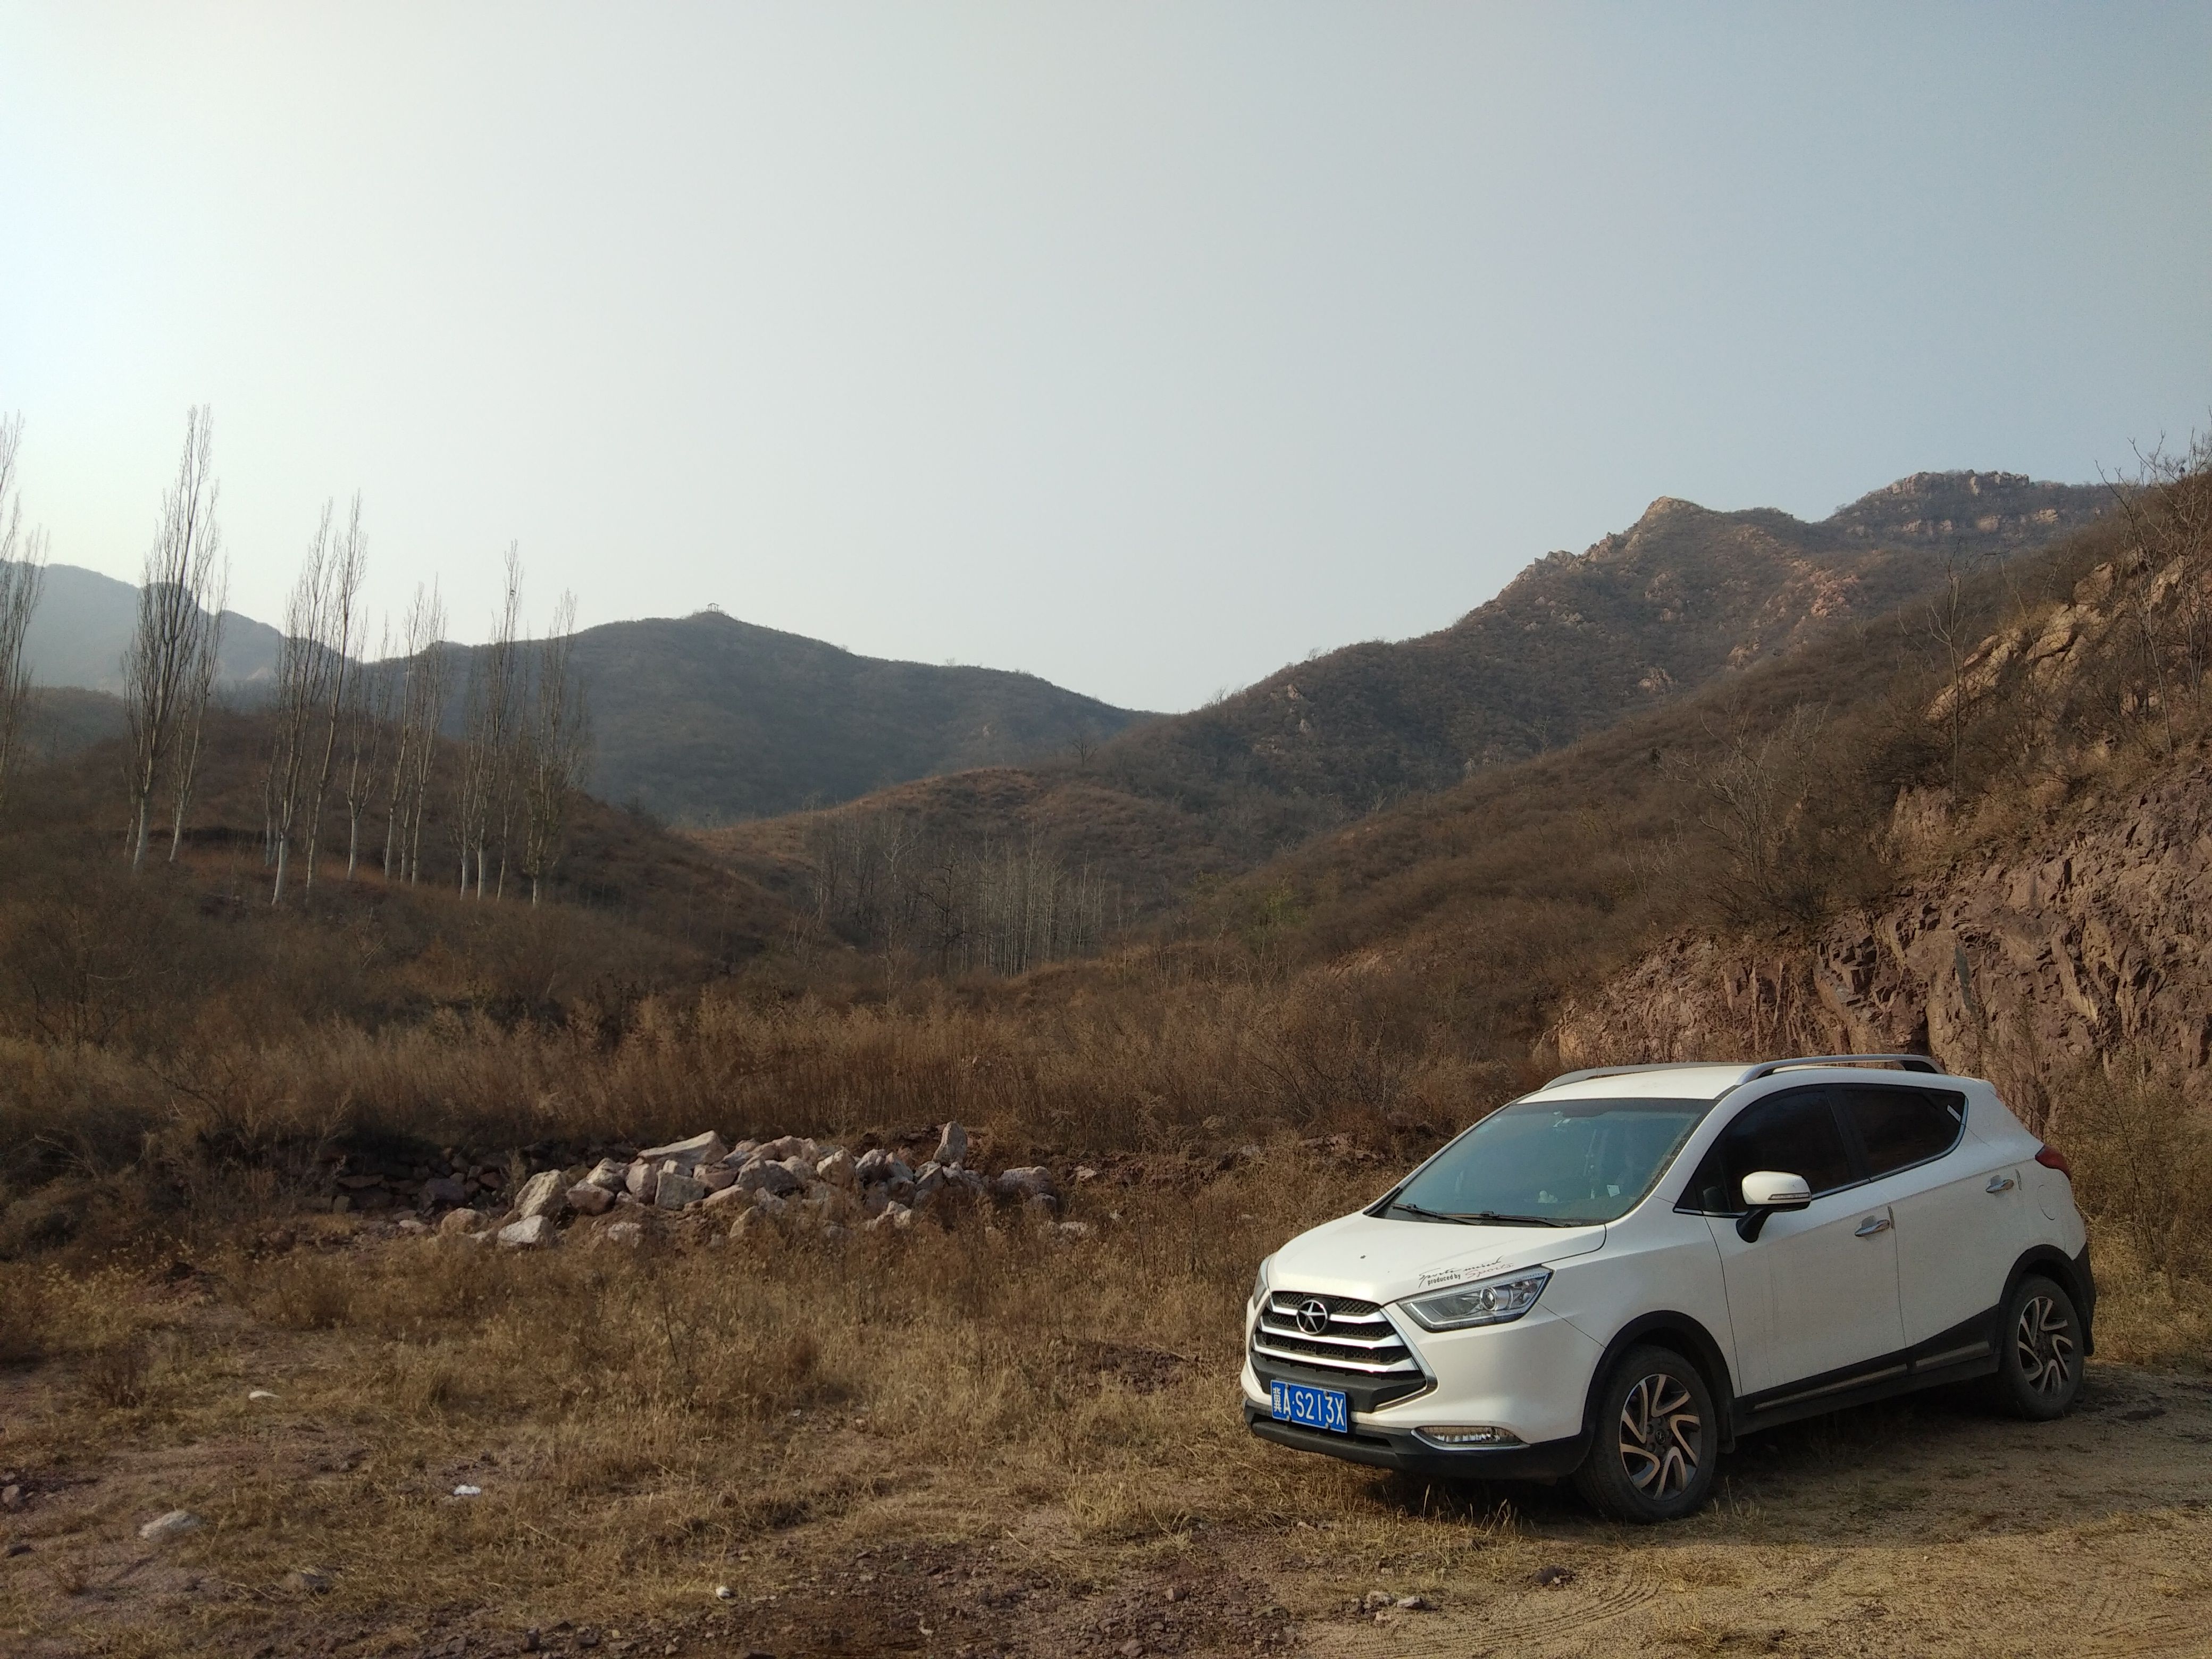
(1575, 643)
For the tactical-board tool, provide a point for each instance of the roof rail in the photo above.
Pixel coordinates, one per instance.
(1752, 1073)
(1909, 1063)
(1624, 1070)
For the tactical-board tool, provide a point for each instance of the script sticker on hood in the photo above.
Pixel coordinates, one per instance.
(1453, 1275)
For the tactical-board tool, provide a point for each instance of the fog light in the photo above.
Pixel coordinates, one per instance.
(1460, 1437)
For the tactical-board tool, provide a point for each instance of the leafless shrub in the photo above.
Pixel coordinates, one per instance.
(2142, 1157)
(1752, 788)
(114, 1373)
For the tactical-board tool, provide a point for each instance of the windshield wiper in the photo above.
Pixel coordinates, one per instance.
(1481, 1217)
(1518, 1220)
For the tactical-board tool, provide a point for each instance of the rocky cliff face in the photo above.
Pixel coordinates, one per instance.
(2094, 937)
(2012, 970)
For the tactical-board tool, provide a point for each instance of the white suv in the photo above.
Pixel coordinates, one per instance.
(1615, 1276)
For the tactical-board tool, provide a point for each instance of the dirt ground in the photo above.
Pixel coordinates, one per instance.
(1922, 1527)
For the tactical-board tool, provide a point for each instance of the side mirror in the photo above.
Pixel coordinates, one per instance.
(1765, 1191)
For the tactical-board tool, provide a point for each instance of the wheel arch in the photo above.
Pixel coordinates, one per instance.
(2053, 1263)
(1687, 1336)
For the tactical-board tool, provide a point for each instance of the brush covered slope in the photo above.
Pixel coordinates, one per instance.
(705, 719)
(1575, 642)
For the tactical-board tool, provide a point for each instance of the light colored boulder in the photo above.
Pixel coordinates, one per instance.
(609, 1172)
(928, 1178)
(629, 1233)
(531, 1233)
(588, 1198)
(642, 1179)
(895, 1219)
(545, 1193)
(730, 1198)
(871, 1166)
(1031, 1181)
(677, 1190)
(951, 1145)
(836, 1169)
(780, 1148)
(689, 1155)
(461, 1223)
(715, 1176)
(175, 1524)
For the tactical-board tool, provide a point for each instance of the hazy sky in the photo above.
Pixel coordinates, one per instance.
(1143, 347)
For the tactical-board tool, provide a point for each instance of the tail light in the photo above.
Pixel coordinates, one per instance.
(2051, 1158)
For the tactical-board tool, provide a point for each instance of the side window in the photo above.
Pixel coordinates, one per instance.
(1902, 1126)
(1796, 1133)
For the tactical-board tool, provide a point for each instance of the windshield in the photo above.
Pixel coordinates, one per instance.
(1557, 1163)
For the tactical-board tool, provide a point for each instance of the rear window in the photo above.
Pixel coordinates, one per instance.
(1900, 1127)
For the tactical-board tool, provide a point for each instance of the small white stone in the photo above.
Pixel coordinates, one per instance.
(162, 1527)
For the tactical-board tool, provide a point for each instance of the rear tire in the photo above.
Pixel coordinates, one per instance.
(2038, 1351)
(1657, 1437)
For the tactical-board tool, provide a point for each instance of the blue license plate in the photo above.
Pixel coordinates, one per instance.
(1308, 1407)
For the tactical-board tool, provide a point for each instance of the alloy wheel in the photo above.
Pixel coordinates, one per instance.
(1659, 1435)
(2044, 1340)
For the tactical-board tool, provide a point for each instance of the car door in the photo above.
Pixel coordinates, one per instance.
(1816, 1291)
(1953, 1236)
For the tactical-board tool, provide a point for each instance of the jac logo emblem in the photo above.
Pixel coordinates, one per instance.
(1313, 1315)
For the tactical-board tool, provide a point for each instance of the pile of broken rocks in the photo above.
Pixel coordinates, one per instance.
(790, 1183)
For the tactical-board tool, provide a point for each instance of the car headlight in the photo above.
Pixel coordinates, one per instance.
(1493, 1302)
(1260, 1281)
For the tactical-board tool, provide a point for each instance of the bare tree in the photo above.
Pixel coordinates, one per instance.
(1951, 627)
(22, 573)
(553, 748)
(311, 670)
(488, 730)
(162, 659)
(348, 561)
(199, 691)
(367, 716)
(2167, 510)
(420, 700)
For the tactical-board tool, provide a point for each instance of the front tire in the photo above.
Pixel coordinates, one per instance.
(1651, 1458)
(2038, 1351)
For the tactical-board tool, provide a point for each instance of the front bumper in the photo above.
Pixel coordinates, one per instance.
(1531, 1376)
(1398, 1448)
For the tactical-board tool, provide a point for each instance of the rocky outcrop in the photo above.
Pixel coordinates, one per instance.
(2015, 969)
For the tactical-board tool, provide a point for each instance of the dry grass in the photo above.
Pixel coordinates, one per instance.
(1024, 1445)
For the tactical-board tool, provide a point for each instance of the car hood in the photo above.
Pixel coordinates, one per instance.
(1381, 1260)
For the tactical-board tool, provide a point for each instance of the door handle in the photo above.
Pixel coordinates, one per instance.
(1871, 1225)
(1999, 1183)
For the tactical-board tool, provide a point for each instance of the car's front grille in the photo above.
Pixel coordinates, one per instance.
(1333, 1333)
